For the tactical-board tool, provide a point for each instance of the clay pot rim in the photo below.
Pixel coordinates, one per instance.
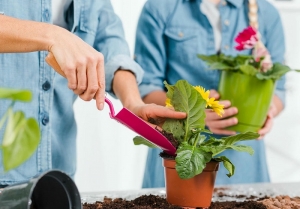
(212, 165)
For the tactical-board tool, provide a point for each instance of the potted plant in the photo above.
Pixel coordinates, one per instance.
(190, 175)
(248, 81)
(21, 135)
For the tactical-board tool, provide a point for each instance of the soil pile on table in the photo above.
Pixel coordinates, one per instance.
(157, 202)
(142, 202)
(282, 202)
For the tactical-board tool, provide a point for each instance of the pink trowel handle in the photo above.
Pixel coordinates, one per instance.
(138, 125)
(111, 108)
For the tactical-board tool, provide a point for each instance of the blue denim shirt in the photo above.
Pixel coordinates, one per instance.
(170, 36)
(52, 104)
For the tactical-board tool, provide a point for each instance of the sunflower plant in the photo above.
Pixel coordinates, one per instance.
(21, 135)
(197, 145)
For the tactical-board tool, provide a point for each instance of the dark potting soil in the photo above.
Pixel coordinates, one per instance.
(157, 202)
(170, 137)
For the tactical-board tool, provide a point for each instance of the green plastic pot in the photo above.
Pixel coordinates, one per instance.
(51, 190)
(250, 95)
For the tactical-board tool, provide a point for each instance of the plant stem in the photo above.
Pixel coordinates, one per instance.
(197, 139)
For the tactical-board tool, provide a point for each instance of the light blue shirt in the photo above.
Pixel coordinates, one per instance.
(170, 34)
(95, 22)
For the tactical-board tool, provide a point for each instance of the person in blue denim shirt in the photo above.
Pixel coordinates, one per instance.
(170, 34)
(89, 32)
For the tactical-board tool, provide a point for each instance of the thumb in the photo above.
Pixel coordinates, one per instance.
(213, 93)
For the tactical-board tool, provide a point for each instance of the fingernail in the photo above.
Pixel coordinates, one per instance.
(101, 106)
(235, 120)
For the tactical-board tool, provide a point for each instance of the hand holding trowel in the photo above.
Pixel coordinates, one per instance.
(129, 119)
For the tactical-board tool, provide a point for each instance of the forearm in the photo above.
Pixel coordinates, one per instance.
(156, 97)
(25, 36)
(277, 104)
(126, 89)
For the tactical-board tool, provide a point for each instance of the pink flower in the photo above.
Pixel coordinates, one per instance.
(246, 39)
(262, 52)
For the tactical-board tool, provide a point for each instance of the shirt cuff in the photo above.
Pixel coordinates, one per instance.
(145, 89)
(121, 62)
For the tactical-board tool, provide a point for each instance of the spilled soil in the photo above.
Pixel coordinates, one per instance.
(159, 202)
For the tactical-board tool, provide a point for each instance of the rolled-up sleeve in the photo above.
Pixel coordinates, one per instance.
(110, 41)
(150, 50)
(123, 62)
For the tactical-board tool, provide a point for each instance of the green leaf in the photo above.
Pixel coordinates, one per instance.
(243, 59)
(227, 164)
(248, 70)
(243, 148)
(215, 62)
(3, 119)
(175, 127)
(276, 72)
(190, 161)
(217, 146)
(212, 141)
(21, 138)
(230, 140)
(170, 89)
(209, 58)
(15, 95)
(186, 99)
(216, 149)
(138, 140)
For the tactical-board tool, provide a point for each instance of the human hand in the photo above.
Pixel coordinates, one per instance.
(217, 124)
(156, 114)
(269, 121)
(81, 64)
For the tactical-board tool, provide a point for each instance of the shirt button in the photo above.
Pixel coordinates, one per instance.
(224, 3)
(46, 86)
(46, 14)
(226, 22)
(45, 120)
(226, 47)
(180, 34)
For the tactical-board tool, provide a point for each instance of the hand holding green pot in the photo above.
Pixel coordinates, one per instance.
(250, 95)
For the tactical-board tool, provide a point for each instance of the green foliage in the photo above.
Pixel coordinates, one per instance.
(190, 160)
(185, 98)
(195, 149)
(22, 135)
(138, 140)
(15, 95)
(245, 64)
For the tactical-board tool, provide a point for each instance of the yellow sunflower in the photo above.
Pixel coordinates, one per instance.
(216, 106)
(168, 103)
(204, 94)
(210, 102)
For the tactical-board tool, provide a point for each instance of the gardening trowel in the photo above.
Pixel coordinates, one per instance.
(129, 119)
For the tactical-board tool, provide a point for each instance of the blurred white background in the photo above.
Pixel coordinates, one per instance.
(107, 158)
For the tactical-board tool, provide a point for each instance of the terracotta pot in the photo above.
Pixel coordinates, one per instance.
(193, 192)
(250, 95)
